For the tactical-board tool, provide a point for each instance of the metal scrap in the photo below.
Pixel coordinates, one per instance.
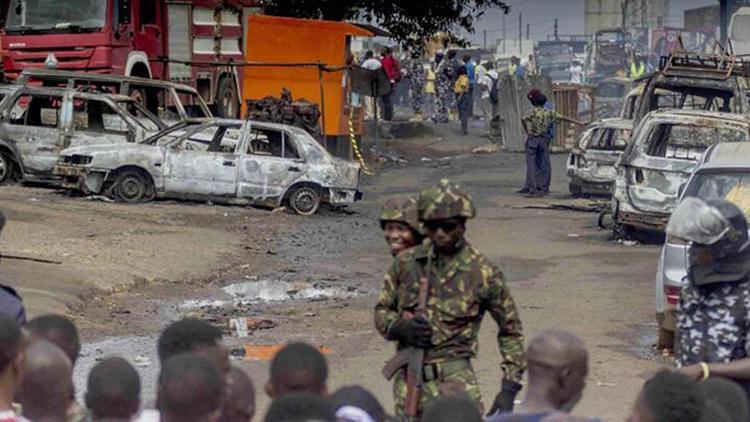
(580, 205)
(284, 110)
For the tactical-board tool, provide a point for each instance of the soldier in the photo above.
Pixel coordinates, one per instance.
(416, 85)
(461, 285)
(399, 220)
(713, 316)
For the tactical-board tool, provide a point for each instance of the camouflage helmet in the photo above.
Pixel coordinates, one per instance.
(446, 200)
(402, 209)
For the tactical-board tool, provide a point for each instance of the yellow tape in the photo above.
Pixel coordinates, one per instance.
(355, 146)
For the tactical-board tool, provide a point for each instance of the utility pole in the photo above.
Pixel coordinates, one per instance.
(484, 33)
(556, 37)
(527, 30)
(624, 13)
(504, 36)
(520, 32)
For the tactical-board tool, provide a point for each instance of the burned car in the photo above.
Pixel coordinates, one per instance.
(591, 164)
(227, 161)
(37, 123)
(664, 149)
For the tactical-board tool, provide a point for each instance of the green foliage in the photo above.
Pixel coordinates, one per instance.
(411, 22)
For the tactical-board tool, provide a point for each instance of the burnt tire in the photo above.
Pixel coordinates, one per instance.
(305, 200)
(6, 168)
(227, 101)
(132, 187)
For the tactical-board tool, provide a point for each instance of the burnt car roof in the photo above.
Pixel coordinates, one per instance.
(65, 75)
(665, 113)
(614, 122)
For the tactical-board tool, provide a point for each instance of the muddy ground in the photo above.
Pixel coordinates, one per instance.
(127, 271)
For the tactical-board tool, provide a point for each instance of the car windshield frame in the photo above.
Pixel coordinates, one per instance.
(93, 16)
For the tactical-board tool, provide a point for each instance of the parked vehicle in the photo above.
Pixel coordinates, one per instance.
(231, 161)
(37, 123)
(664, 149)
(612, 48)
(157, 39)
(724, 172)
(697, 81)
(611, 94)
(591, 164)
(555, 61)
(170, 101)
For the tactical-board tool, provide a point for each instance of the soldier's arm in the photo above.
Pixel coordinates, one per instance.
(503, 309)
(386, 310)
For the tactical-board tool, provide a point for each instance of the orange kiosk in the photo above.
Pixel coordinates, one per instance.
(307, 57)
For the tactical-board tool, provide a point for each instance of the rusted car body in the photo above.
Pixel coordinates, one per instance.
(591, 164)
(664, 149)
(229, 161)
(37, 123)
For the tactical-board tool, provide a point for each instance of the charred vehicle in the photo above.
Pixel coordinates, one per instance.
(724, 172)
(554, 61)
(611, 94)
(170, 101)
(664, 149)
(229, 161)
(37, 123)
(591, 164)
(697, 81)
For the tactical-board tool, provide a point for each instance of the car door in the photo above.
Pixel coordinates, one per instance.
(270, 162)
(96, 121)
(33, 122)
(663, 161)
(203, 163)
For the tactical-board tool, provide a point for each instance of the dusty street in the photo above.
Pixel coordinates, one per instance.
(129, 270)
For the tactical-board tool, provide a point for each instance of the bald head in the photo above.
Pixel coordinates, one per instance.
(47, 387)
(558, 366)
(238, 404)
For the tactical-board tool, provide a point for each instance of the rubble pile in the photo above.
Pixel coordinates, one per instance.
(286, 110)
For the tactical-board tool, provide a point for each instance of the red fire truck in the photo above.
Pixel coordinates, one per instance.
(186, 41)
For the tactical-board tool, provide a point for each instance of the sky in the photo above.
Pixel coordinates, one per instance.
(540, 14)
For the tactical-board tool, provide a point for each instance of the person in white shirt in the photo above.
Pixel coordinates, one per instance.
(370, 63)
(487, 81)
(576, 73)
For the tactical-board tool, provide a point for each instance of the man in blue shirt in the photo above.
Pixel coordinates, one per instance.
(471, 72)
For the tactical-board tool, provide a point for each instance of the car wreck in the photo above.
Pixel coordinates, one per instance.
(591, 164)
(664, 149)
(225, 161)
(37, 123)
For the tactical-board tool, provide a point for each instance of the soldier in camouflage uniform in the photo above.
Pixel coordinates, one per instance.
(416, 85)
(463, 285)
(444, 87)
(399, 219)
(713, 317)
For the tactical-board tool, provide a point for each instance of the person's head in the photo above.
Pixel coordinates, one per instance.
(729, 396)
(386, 51)
(557, 365)
(439, 54)
(59, 331)
(462, 70)
(354, 403)
(537, 98)
(531, 57)
(399, 220)
(298, 367)
(239, 398)
(451, 54)
(46, 389)
(369, 54)
(489, 65)
(416, 55)
(717, 230)
(193, 335)
(191, 387)
(444, 209)
(669, 396)
(300, 407)
(113, 390)
(452, 408)
(466, 58)
(11, 354)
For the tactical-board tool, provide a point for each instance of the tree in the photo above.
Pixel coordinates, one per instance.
(412, 22)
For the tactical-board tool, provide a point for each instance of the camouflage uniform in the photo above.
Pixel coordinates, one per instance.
(416, 84)
(538, 120)
(443, 90)
(403, 209)
(713, 323)
(462, 289)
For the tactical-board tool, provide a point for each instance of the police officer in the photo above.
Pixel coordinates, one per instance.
(713, 317)
(463, 284)
(399, 220)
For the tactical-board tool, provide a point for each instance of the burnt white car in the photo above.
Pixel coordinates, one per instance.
(228, 161)
(591, 164)
(664, 149)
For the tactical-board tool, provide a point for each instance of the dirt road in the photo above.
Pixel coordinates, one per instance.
(563, 271)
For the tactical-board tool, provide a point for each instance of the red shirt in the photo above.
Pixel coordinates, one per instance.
(392, 68)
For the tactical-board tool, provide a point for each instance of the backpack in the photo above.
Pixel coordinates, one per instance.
(493, 90)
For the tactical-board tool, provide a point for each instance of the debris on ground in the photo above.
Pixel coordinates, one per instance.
(486, 149)
(101, 198)
(243, 326)
(263, 351)
(580, 205)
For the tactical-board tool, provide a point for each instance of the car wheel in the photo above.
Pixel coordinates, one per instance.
(6, 168)
(132, 187)
(305, 200)
(227, 99)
